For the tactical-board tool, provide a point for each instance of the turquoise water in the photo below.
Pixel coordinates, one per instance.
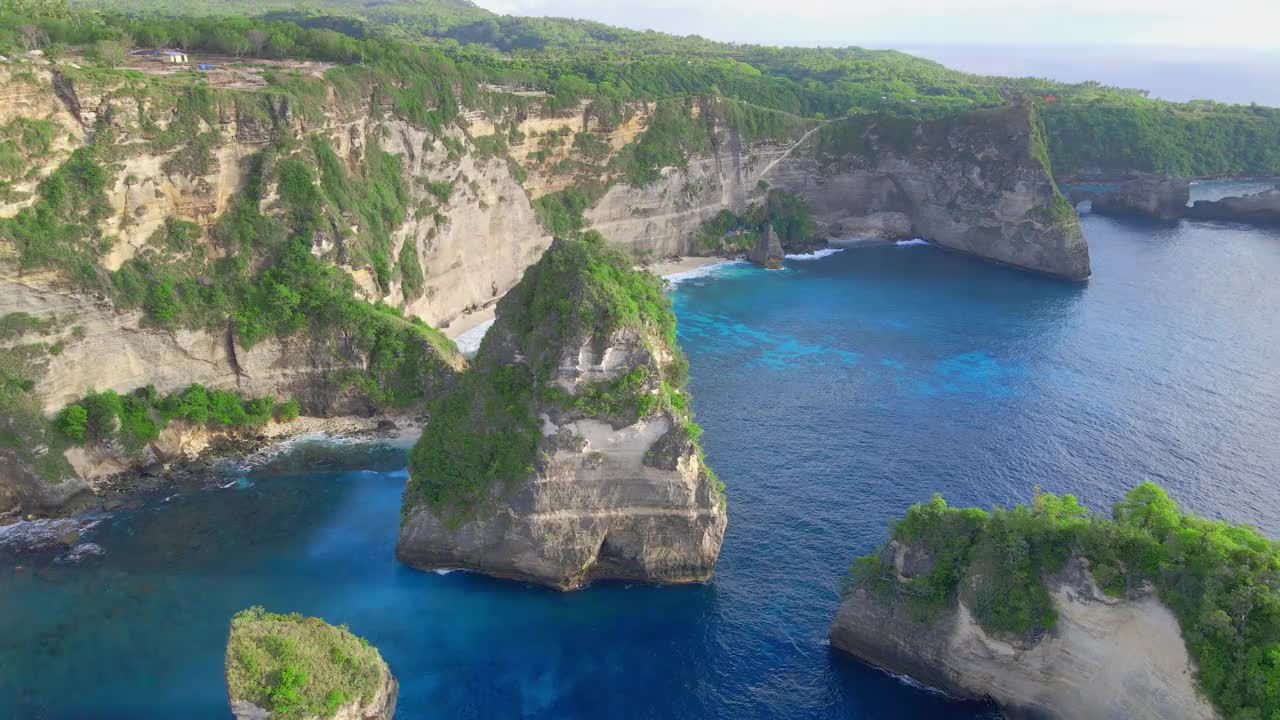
(833, 394)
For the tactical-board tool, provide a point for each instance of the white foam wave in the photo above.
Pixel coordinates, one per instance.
(908, 243)
(469, 342)
(80, 552)
(283, 447)
(912, 682)
(44, 532)
(705, 271)
(816, 254)
(443, 571)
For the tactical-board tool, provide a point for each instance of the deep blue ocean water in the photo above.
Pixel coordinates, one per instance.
(833, 393)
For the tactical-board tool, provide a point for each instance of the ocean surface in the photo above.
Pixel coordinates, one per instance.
(834, 393)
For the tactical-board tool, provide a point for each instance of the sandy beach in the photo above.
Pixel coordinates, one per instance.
(469, 321)
(671, 266)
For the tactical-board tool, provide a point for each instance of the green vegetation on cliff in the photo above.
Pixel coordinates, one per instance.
(1113, 133)
(787, 213)
(137, 418)
(299, 667)
(1222, 581)
(485, 432)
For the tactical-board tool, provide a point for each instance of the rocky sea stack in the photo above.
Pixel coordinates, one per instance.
(567, 452)
(289, 667)
(1057, 613)
(768, 251)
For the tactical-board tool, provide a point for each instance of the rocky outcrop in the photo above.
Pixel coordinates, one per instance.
(1154, 196)
(328, 673)
(1257, 209)
(609, 481)
(1105, 658)
(977, 183)
(768, 251)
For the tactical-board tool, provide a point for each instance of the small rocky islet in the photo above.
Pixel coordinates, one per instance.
(186, 272)
(290, 667)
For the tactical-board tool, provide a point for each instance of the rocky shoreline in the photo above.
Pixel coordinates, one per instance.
(126, 488)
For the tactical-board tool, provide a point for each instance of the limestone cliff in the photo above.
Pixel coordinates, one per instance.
(567, 454)
(978, 183)
(182, 158)
(1105, 657)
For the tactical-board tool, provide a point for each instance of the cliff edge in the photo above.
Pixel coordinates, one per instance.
(567, 452)
(1105, 658)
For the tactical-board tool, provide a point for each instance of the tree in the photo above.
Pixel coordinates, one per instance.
(257, 40)
(32, 37)
(109, 52)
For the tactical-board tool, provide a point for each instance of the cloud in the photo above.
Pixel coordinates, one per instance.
(1225, 23)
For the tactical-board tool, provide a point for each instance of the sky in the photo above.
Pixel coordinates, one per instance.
(1235, 24)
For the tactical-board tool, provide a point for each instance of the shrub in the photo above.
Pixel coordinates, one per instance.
(72, 422)
(288, 411)
(102, 414)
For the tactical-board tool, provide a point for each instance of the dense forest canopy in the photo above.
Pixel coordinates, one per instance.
(1091, 127)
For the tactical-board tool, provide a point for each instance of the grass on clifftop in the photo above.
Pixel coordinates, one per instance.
(485, 431)
(1222, 581)
(298, 667)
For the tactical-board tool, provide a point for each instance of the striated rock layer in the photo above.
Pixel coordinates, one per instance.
(615, 485)
(1105, 658)
(978, 183)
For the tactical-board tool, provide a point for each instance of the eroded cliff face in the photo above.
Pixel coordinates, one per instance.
(617, 487)
(977, 183)
(1106, 657)
(1151, 196)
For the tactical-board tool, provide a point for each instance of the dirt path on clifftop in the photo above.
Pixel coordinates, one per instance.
(795, 145)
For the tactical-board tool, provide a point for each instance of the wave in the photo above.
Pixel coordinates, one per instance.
(815, 255)
(80, 552)
(705, 271)
(44, 533)
(908, 243)
(469, 342)
(282, 447)
(912, 682)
